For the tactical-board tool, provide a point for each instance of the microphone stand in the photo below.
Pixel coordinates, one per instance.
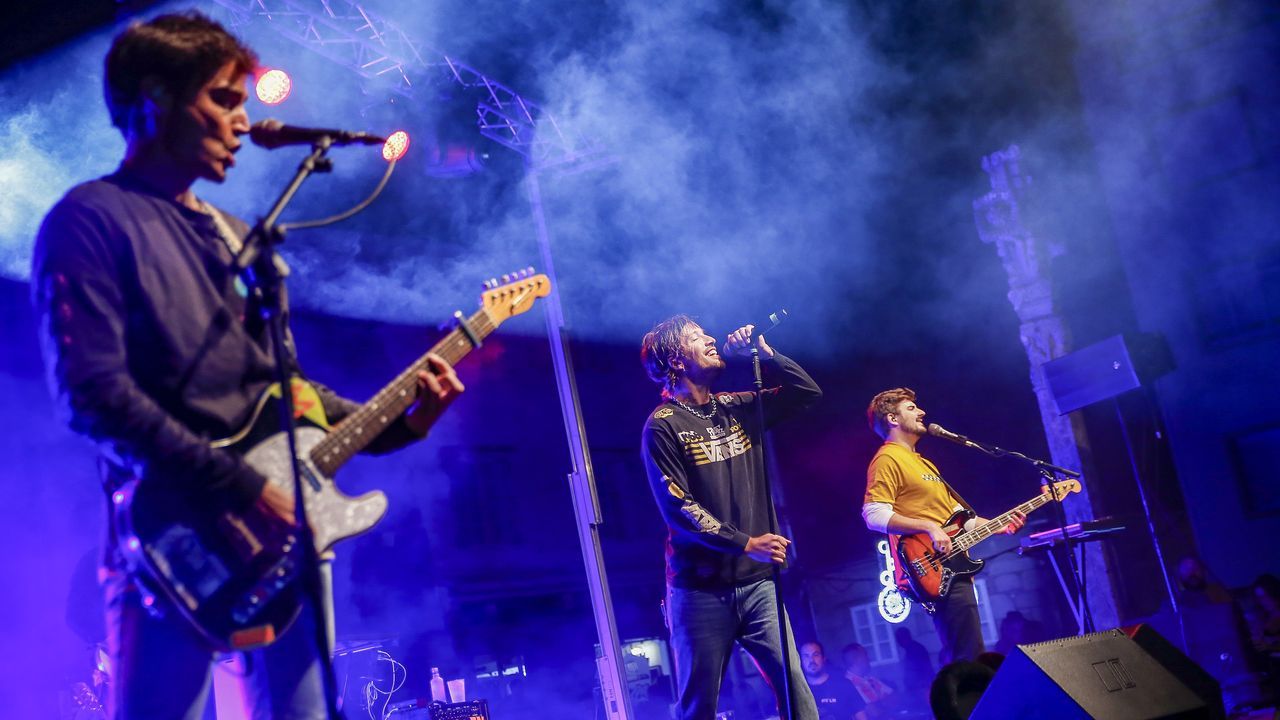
(784, 635)
(256, 264)
(1047, 472)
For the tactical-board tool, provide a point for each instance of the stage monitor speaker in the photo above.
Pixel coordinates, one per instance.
(1192, 674)
(1101, 676)
(1105, 369)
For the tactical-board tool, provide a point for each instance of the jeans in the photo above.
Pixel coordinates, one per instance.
(957, 623)
(161, 666)
(704, 625)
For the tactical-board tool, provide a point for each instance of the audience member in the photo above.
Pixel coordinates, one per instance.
(837, 699)
(958, 688)
(874, 691)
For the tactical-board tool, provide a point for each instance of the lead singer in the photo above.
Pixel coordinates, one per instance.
(702, 454)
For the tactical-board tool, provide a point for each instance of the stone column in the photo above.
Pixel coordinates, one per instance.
(998, 215)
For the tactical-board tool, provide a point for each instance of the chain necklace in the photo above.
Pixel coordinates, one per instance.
(704, 416)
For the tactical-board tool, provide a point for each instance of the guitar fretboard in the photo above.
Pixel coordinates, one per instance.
(997, 524)
(359, 428)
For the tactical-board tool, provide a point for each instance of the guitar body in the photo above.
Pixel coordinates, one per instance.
(234, 575)
(923, 574)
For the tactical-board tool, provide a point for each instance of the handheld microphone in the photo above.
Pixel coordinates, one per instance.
(772, 321)
(938, 431)
(272, 133)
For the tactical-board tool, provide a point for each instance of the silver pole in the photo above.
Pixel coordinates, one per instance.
(582, 484)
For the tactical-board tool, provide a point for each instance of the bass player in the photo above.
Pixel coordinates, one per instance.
(906, 495)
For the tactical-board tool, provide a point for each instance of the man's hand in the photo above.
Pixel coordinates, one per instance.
(739, 343)
(274, 501)
(438, 386)
(1015, 523)
(768, 548)
(941, 540)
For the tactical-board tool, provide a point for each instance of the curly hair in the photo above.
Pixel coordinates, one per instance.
(884, 404)
(180, 51)
(660, 346)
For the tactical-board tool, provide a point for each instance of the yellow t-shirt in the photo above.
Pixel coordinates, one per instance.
(910, 483)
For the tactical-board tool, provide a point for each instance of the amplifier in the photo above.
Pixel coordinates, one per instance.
(423, 709)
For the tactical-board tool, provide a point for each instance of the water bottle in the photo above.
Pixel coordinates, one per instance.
(437, 686)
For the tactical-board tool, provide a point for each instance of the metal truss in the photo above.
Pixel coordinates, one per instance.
(376, 49)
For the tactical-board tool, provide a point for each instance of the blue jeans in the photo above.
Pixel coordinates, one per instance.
(704, 625)
(161, 666)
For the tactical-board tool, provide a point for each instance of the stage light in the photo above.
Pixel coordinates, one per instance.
(396, 146)
(273, 86)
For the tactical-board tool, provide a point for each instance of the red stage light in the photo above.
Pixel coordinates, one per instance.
(396, 146)
(273, 86)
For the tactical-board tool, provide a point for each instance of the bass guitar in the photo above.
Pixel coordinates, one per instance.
(234, 576)
(925, 575)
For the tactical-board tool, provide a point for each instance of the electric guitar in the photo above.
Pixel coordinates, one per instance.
(234, 576)
(925, 575)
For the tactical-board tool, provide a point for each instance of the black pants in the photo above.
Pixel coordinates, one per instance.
(957, 623)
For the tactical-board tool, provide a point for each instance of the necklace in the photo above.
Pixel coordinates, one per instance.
(705, 416)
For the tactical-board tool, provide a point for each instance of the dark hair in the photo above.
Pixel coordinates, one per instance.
(1268, 584)
(957, 689)
(181, 51)
(660, 346)
(883, 404)
(991, 659)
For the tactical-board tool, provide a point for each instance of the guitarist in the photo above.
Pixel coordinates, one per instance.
(906, 495)
(154, 346)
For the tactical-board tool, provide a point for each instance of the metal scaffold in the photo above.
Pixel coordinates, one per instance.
(378, 50)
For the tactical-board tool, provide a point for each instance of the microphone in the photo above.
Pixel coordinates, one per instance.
(938, 431)
(272, 133)
(772, 321)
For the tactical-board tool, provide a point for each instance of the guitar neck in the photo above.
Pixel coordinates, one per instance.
(998, 524)
(358, 429)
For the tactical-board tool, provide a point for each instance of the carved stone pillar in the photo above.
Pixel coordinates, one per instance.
(1045, 336)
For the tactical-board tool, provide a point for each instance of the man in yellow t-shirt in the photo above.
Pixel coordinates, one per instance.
(906, 496)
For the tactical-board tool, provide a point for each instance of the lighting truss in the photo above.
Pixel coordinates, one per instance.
(349, 34)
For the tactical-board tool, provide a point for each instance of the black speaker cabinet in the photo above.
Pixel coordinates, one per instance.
(1106, 368)
(1104, 676)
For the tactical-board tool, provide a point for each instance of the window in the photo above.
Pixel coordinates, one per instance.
(874, 634)
(990, 633)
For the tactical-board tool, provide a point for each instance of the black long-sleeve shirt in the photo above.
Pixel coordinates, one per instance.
(151, 344)
(707, 477)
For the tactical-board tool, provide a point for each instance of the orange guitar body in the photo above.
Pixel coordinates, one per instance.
(925, 575)
(921, 572)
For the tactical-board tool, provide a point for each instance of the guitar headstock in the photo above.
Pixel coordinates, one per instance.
(1062, 488)
(513, 294)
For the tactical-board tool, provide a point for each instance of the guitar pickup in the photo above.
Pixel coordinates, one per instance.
(246, 543)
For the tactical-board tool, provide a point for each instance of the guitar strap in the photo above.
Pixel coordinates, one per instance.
(959, 498)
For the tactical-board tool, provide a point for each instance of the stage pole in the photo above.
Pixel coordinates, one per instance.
(586, 503)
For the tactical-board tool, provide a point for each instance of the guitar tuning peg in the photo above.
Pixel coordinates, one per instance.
(506, 279)
(529, 270)
(493, 282)
(525, 273)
